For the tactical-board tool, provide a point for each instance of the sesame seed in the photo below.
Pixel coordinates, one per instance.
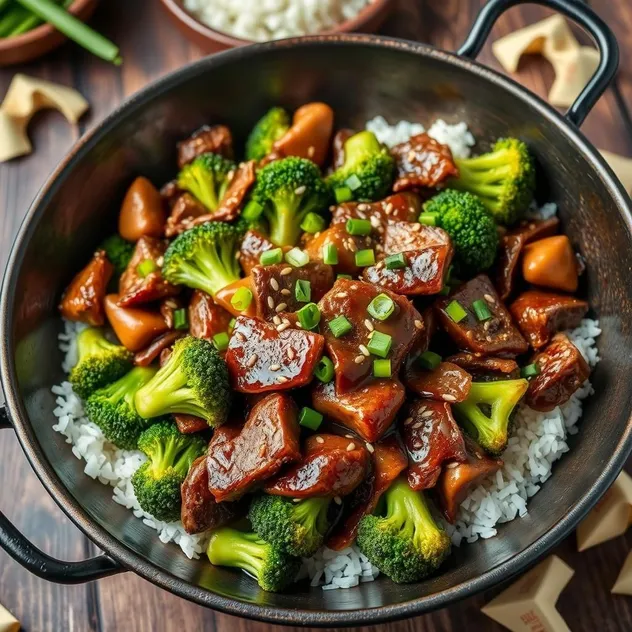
(351, 246)
(419, 424)
(240, 336)
(451, 465)
(275, 367)
(351, 447)
(287, 321)
(285, 292)
(237, 255)
(388, 209)
(253, 360)
(364, 351)
(419, 324)
(300, 190)
(285, 271)
(408, 421)
(421, 409)
(291, 354)
(341, 295)
(276, 320)
(270, 302)
(426, 413)
(370, 448)
(368, 324)
(274, 284)
(160, 261)
(449, 398)
(375, 221)
(488, 298)
(282, 327)
(320, 440)
(171, 304)
(311, 150)
(280, 307)
(281, 379)
(416, 228)
(361, 215)
(359, 359)
(363, 207)
(338, 500)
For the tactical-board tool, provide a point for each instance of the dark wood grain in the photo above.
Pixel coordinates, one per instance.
(152, 47)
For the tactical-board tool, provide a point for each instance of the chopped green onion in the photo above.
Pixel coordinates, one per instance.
(531, 370)
(358, 226)
(303, 291)
(429, 360)
(429, 219)
(340, 326)
(379, 344)
(481, 310)
(145, 267)
(455, 311)
(343, 194)
(221, 341)
(313, 223)
(231, 324)
(270, 257)
(353, 182)
(241, 299)
(297, 257)
(344, 276)
(381, 368)
(310, 418)
(364, 258)
(330, 254)
(252, 211)
(381, 307)
(308, 316)
(394, 262)
(324, 370)
(180, 319)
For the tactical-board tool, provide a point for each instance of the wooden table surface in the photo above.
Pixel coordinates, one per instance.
(151, 47)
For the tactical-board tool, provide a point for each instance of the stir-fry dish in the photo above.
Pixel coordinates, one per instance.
(325, 343)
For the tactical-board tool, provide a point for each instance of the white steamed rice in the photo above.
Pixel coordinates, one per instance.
(538, 441)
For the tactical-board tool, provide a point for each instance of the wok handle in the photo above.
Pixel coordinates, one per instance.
(580, 13)
(39, 563)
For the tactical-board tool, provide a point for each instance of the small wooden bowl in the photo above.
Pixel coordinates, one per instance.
(42, 39)
(212, 41)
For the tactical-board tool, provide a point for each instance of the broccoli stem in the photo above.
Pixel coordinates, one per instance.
(284, 225)
(229, 547)
(312, 513)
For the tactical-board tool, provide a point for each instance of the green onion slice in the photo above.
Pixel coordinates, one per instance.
(481, 310)
(270, 257)
(340, 326)
(330, 254)
(180, 319)
(146, 266)
(456, 311)
(343, 194)
(303, 291)
(429, 219)
(308, 316)
(252, 211)
(221, 341)
(358, 226)
(395, 262)
(310, 418)
(531, 370)
(297, 257)
(381, 368)
(430, 360)
(365, 258)
(324, 370)
(379, 344)
(353, 182)
(241, 299)
(313, 223)
(381, 307)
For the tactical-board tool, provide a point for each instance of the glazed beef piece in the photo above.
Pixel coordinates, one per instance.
(510, 249)
(562, 371)
(268, 441)
(495, 336)
(369, 410)
(232, 201)
(83, 298)
(540, 314)
(431, 437)
(142, 281)
(478, 367)
(274, 286)
(200, 511)
(389, 461)
(206, 318)
(428, 251)
(331, 466)
(448, 382)
(422, 162)
(458, 479)
(251, 249)
(404, 207)
(216, 139)
(184, 211)
(261, 358)
(346, 246)
(351, 299)
(190, 424)
(156, 347)
(338, 147)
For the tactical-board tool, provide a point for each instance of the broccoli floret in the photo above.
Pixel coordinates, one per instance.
(268, 129)
(403, 540)
(204, 257)
(504, 179)
(273, 569)
(112, 408)
(486, 413)
(368, 168)
(296, 528)
(470, 226)
(194, 381)
(101, 362)
(288, 190)
(119, 252)
(207, 178)
(170, 455)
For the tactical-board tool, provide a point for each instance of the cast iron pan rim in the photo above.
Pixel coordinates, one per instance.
(154, 573)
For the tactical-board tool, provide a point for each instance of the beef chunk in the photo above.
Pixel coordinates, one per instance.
(338, 146)
(540, 314)
(190, 424)
(83, 299)
(251, 249)
(216, 139)
(261, 358)
(200, 511)
(206, 318)
(368, 410)
(231, 203)
(448, 382)
(156, 347)
(268, 440)
(431, 437)
(401, 236)
(331, 466)
(496, 336)
(458, 479)
(184, 211)
(562, 371)
(478, 367)
(389, 461)
(274, 287)
(351, 299)
(422, 162)
(137, 286)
